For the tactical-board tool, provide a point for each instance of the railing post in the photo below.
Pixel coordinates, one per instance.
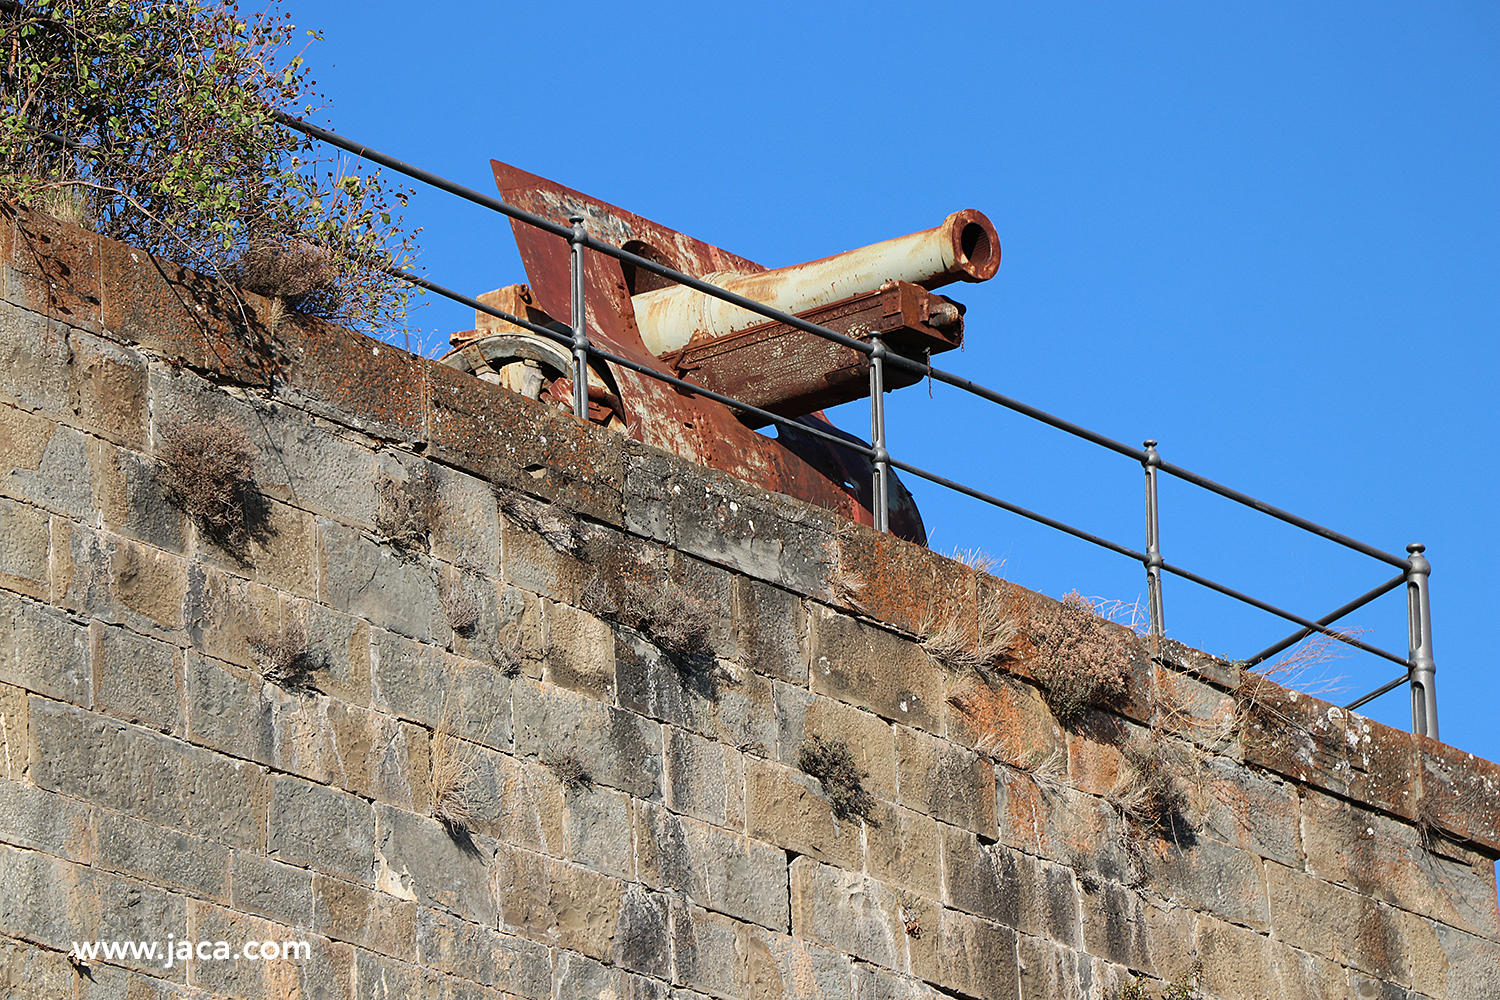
(880, 491)
(1420, 665)
(580, 324)
(1151, 462)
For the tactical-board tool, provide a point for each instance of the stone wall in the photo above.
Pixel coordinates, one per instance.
(156, 782)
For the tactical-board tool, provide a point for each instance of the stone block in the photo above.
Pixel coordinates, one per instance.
(25, 549)
(872, 668)
(597, 827)
(1240, 964)
(800, 714)
(43, 651)
(148, 775)
(786, 808)
(373, 581)
(221, 610)
(270, 889)
(431, 866)
(1388, 860)
(25, 436)
(805, 970)
(319, 469)
(322, 828)
(516, 802)
(45, 821)
(1460, 967)
(580, 651)
(770, 627)
(652, 684)
(1123, 927)
(973, 957)
(163, 857)
(1009, 887)
(712, 868)
(902, 849)
(339, 647)
(744, 708)
(696, 777)
(715, 517)
(137, 678)
(1213, 876)
(369, 753)
(325, 972)
(1052, 973)
(356, 380)
(230, 710)
(511, 440)
(616, 748)
(46, 899)
(1193, 710)
(1005, 715)
(280, 550)
(15, 731)
(1215, 669)
(30, 973)
(1459, 791)
(427, 685)
(848, 912)
(366, 918)
(555, 903)
(60, 478)
(1251, 810)
(708, 950)
(107, 385)
(34, 358)
(871, 983)
(542, 549)
(577, 976)
(945, 781)
(131, 500)
(903, 584)
(479, 955)
(643, 940)
(1344, 926)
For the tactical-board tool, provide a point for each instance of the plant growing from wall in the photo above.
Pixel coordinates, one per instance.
(1082, 660)
(831, 762)
(407, 512)
(205, 470)
(452, 762)
(663, 613)
(1151, 790)
(152, 122)
(569, 768)
(282, 653)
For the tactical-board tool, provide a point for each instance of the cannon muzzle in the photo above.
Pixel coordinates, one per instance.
(964, 248)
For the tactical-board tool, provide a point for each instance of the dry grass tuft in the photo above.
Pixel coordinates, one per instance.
(1152, 791)
(461, 609)
(1305, 667)
(663, 613)
(1081, 662)
(406, 513)
(295, 275)
(832, 764)
(569, 769)
(559, 533)
(989, 641)
(282, 655)
(452, 773)
(508, 657)
(205, 471)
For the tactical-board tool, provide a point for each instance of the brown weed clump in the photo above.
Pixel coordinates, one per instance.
(832, 764)
(461, 610)
(452, 763)
(1082, 660)
(283, 654)
(205, 471)
(569, 769)
(1150, 791)
(676, 623)
(406, 513)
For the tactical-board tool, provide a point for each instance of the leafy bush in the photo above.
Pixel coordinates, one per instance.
(153, 122)
(1082, 660)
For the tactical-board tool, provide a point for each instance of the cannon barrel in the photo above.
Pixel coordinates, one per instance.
(964, 248)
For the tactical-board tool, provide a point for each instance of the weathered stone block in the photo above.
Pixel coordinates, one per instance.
(280, 549)
(1052, 973)
(945, 781)
(598, 827)
(744, 708)
(696, 777)
(30, 973)
(370, 386)
(107, 385)
(1459, 792)
(770, 627)
(786, 808)
(800, 714)
(577, 976)
(1461, 967)
(651, 683)
(1123, 927)
(229, 710)
(1216, 877)
(45, 821)
(1239, 964)
(131, 501)
(367, 918)
(718, 518)
(1251, 810)
(322, 828)
(43, 651)
(972, 956)
(643, 938)
(61, 478)
(25, 546)
(1015, 889)
(555, 903)
(433, 867)
(616, 748)
(222, 610)
(712, 868)
(479, 955)
(867, 666)
(137, 678)
(338, 646)
(708, 952)
(34, 359)
(1004, 714)
(15, 731)
(429, 686)
(377, 583)
(848, 912)
(163, 857)
(580, 651)
(902, 849)
(270, 889)
(516, 802)
(326, 972)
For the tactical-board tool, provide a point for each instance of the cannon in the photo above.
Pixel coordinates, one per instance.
(882, 290)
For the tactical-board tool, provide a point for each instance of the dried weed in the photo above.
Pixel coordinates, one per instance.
(205, 471)
(452, 762)
(461, 609)
(282, 655)
(663, 613)
(561, 534)
(569, 769)
(407, 513)
(832, 764)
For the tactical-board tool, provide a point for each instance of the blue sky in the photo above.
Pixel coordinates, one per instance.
(1266, 235)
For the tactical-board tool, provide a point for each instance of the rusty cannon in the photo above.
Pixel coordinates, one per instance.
(884, 290)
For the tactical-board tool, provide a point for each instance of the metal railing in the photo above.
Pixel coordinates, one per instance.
(1415, 569)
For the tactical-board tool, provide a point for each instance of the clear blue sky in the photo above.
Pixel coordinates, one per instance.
(1267, 235)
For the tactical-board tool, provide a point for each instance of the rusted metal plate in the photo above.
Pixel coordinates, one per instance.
(791, 373)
